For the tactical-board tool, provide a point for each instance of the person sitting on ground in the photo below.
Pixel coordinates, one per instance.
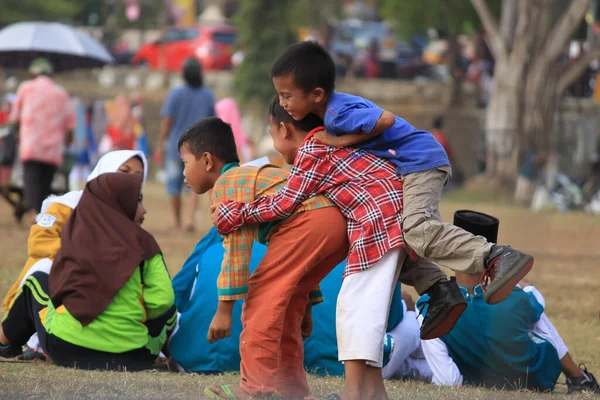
(512, 344)
(44, 238)
(108, 301)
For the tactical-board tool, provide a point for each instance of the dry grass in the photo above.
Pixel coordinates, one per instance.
(567, 273)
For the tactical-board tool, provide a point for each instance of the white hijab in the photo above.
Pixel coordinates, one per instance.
(108, 163)
(112, 161)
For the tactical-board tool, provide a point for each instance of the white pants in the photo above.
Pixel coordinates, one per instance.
(362, 309)
(407, 359)
(544, 327)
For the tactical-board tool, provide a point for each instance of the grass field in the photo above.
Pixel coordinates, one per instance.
(567, 272)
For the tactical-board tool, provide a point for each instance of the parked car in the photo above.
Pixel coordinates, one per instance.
(212, 45)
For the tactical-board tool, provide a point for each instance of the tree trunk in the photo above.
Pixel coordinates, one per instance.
(526, 87)
(502, 125)
(541, 102)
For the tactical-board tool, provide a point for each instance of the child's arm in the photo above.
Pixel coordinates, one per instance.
(158, 292)
(232, 283)
(307, 178)
(358, 125)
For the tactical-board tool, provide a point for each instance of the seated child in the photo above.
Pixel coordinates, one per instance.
(508, 345)
(301, 251)
(44, 238)
(107, 283)
(304, 77)
(369, 194)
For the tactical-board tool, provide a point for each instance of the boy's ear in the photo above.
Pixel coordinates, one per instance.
(207, 160)
(285, 130)
(318, 95)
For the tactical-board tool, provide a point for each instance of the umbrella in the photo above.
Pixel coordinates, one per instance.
(64, 46)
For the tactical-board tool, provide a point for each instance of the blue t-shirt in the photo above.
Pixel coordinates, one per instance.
(185, 105)
(411, 150)
(493, 345)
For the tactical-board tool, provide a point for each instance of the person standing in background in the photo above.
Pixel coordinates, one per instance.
(184, 105)
(46, 119)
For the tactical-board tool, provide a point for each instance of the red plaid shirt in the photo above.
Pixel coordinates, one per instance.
(366, 189)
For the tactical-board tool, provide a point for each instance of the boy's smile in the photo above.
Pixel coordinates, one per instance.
(294, 100)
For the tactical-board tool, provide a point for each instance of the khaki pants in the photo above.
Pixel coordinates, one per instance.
(424, 231)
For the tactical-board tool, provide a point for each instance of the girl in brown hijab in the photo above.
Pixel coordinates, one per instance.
(109, 296)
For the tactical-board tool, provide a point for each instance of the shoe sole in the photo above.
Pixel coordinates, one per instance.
(447, 323)
(511, 280)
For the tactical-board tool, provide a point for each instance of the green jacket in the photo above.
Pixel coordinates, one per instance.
(120, 327)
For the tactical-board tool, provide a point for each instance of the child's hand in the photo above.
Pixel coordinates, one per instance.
(347, 140)
(220, 327)
(329, 139)
(214, 213)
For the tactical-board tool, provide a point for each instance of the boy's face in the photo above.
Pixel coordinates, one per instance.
(294, 100)
(196, 171)
(281, 141)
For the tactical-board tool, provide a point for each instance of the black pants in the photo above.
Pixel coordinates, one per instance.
(37, 182)
(23, 321)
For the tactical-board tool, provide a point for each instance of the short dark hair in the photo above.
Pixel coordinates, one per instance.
(192, 73)
(210, 135)
(438, 122)
(278, 113)
(309, 64)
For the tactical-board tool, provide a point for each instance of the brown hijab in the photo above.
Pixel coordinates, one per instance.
(101, 246)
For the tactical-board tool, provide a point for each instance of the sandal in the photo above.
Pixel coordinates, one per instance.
(211, 394)
(208, 392)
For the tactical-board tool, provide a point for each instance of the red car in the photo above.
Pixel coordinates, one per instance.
(211, 45)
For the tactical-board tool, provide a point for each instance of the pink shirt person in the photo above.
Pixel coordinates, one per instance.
(45, 114)
(228, 110)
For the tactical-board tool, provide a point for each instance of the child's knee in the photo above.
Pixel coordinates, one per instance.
(420, 236)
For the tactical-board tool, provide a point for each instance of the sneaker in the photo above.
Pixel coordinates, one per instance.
(504, 268)
(441, 307)
(9, 351)
(585, 383)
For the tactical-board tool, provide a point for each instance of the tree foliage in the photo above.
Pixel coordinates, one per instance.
(448, 16)
(38, 10)
(264, 32)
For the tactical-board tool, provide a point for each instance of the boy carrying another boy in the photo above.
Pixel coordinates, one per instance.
(302, 250)
(368, 192)
(420, 160)
(304, 77)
